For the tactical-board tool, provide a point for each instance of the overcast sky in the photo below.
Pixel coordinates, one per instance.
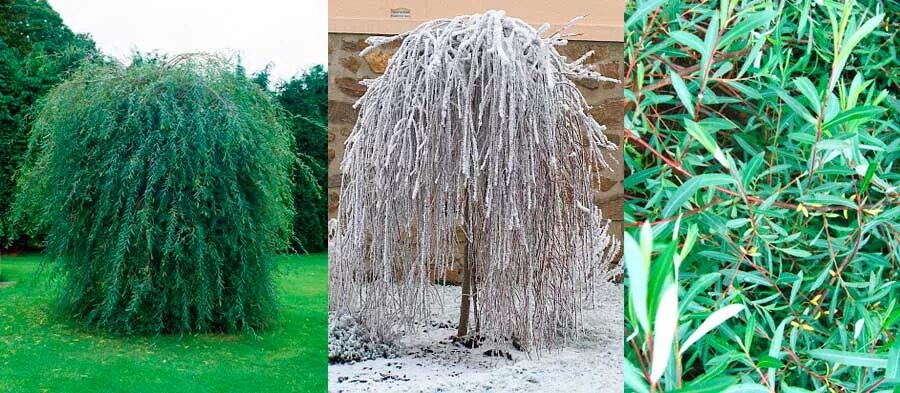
(290, 34)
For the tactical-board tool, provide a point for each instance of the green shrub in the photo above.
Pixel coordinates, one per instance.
(762, 156)
(164, 189)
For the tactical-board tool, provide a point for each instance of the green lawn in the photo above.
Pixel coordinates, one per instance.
(41, 353)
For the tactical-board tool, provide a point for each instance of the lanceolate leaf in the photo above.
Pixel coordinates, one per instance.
(637, 279)
(715, 385)
(855, 359)
(634, 379)
(854, 39)
(690, 187)
(701, 135)
(662, 274)
(644, 8)
(664, 332)
(809, 91)
(749, 387)
(714, 320)
(862, 113)
(795, 105)
(683, 93)
(892, 373)
(689, 40)
(745, 25)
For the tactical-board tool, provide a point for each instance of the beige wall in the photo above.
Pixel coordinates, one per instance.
(603, 18)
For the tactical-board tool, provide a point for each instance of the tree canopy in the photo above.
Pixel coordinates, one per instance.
(164, 188)
(474, 131)
(36, 52)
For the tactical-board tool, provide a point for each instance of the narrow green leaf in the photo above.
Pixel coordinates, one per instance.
(892, 374)
(850, 43)
(710, 41)
(690, 187)
(661, 276)
(702, 136)
(714, 320)
(748, 91)
(775, 346)
(865, 112)
(689, 40)
(664, 332)
(637, 281)
(751, 169)
(795, 252)
(646, 244)
(748, 387)
(867, 180)
(745, 25)
(699, 285)
(809, 91)
(827, 200)
(854, 359)
(766, 361)
(796, 106)
(715, 385)
(693, 231)
(684, 95)
(634, 379)
(643, 9)
(792, 389)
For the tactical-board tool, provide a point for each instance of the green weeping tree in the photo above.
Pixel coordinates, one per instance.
(164, 188)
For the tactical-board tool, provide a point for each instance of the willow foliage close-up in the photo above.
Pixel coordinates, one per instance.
(164, 189)
(763, 248)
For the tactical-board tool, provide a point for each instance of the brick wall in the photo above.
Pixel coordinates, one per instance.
(346, 68)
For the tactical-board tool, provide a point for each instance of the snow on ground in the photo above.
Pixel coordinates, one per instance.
(432, 363)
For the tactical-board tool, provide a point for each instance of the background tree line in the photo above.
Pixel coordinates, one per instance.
(38, 51)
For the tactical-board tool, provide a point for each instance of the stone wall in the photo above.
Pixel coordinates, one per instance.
(346, 68)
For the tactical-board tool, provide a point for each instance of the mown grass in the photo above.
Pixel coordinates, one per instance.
(43, 352)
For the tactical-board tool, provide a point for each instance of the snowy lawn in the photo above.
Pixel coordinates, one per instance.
(431, 362)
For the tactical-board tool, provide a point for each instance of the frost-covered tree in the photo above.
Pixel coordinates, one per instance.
(164, 188)
(475, 132)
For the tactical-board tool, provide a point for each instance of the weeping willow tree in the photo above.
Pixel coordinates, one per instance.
(476, 132)
(164, 189)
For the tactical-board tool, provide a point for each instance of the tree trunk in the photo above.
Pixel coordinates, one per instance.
(475, 300)
(465, 303)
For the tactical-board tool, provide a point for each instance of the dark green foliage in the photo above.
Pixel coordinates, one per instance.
(306, 98)
(36, 51)
(164, 189)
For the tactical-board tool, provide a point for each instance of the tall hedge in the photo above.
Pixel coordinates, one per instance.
(165, 189)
